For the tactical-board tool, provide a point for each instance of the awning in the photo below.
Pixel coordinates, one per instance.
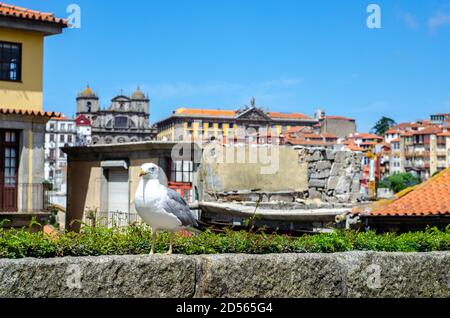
(114, 164)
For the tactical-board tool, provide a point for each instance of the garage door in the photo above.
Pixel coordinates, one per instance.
(118, 192)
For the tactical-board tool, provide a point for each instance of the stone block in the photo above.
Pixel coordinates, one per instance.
(317, 183)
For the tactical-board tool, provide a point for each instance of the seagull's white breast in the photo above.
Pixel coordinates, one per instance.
(149, 200)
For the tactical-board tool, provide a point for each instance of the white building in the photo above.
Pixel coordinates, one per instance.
(392, 134)
(84, 131)
(395, 161)
(63, 132)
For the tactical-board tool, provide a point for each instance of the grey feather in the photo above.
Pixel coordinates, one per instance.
(177, 206)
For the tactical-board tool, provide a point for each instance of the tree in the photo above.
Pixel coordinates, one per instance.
(399, 182)
(383, 125)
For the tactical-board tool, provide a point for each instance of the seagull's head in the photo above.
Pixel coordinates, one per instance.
(149, 171)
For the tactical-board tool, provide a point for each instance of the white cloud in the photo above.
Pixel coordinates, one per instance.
(410, 20)
(438, 20)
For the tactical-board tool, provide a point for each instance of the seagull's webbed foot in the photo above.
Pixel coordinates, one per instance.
(170, 252)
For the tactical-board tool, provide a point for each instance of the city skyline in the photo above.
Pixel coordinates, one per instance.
(295, 57)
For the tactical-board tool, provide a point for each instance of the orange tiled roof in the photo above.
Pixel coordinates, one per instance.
(298, 129)
(277, 115)
(61, 118)
(407, 134)
(23, 13)
(365, 136)
(329, 135)
(205, 112)
(393, 131)
(303, 142)
(396, 140)
(444, 134)
(232, 113)
(429, 198)
(428, 131)
(355, 148)
(27, 112)
(351, 145)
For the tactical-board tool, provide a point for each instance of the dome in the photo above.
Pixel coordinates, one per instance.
(138, 94)
(87, 92)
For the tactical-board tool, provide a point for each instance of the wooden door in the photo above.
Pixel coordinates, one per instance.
(9, 162)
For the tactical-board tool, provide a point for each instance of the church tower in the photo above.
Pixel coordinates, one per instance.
(87, 101)
(139, 102)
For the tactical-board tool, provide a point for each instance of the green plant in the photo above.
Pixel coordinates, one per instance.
(383, 125)
(399, 182)
(136, 239)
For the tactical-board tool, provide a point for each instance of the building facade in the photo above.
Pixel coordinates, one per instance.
(244, 125)
(421, 148)
(22, 120)
(126, 120)
(60, 132)
(102, 179)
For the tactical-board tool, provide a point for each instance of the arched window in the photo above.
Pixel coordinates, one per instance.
(121, 122)
(89, 107)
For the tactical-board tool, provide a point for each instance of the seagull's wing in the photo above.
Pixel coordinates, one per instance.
(177, 206)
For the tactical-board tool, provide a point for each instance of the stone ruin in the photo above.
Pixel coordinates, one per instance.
(333, 176)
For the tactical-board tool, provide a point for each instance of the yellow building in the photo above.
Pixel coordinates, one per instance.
(245, 125)
(22, 120)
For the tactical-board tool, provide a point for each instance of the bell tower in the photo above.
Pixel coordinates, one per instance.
(87, 101)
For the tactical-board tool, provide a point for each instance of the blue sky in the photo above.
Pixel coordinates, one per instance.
(293, 56)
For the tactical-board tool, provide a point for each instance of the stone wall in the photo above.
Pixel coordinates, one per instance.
(342, 275)
(333, 176)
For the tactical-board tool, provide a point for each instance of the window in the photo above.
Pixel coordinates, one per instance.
(182, 171)
(61, 153)
(52, 126)
(70, 127)
(121, 122)
(10, 61)
(189, 124)
(52, 154)
(61, 138)
(52, 138)
(69, 139)
(63, 126)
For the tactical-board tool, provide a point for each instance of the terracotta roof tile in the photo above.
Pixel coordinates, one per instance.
(277, 115)
(444, 134)
(23, 13)
(365, 136)
(205, 112)
(393, 131)
(232, 113)
(27, 112)
(429, 198)
(428, 131)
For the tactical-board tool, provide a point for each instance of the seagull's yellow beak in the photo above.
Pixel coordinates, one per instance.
(142, 173)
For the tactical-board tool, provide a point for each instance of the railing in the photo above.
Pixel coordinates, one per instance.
(113, 219)
(23, 197)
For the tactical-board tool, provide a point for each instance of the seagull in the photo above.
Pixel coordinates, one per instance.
(160, 207)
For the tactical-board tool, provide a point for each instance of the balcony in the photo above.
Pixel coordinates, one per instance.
(15, 198)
